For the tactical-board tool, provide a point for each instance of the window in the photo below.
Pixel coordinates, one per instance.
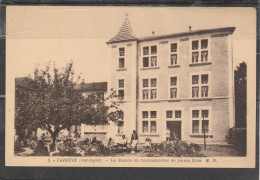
(200, 121)
(121, 94)
(168, 114)
(121, 83)
(173, 54)
(145, 94)
(121, 57)
(153, 82)
(145, 51)
(121, 91)
(153, 93)
(205, 122)
(153, 61)
(153, 114)
(173, 87)
(121, 115)
(145, 62)
(149, 123)
(149, 90)
(121, 51)
(177, 114)
(205, 126)
(195, 126)
(200, 86)
(120, 122)
(195, 114)
(121, 62)
(150, 56)
(145, 114)
(204, 87)
(200, 51)
(145, 83)
(153, 126)
(145, 126)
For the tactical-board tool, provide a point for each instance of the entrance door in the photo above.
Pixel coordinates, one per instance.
(175, 128)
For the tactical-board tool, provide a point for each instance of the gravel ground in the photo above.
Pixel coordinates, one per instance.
(211, 151)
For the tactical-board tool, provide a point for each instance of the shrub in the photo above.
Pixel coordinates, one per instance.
(175, 148)
(17, 146)
(41, 149)
(237, 137)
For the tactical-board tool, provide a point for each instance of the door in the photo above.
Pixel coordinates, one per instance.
(175, 128)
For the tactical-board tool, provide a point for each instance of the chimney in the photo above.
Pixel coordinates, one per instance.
(189, 28)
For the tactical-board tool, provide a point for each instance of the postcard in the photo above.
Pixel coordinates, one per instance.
(130, 86)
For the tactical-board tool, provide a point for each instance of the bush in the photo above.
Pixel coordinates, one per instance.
(17, 146)
(41, 149)
(175, 148)
(237, 137)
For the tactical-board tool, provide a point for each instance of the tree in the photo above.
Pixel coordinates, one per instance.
(51, 102)
(241, 95)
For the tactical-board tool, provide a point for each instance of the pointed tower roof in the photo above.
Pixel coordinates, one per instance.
(125, 33)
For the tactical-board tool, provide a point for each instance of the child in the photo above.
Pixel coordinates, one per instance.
(148, 144)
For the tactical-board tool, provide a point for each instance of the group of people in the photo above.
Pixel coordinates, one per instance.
(122, 142)
(68, 144)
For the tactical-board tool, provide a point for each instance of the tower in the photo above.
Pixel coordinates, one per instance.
(123, 58)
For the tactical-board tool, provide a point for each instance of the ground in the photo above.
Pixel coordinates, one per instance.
(211, 151)
(219, 151)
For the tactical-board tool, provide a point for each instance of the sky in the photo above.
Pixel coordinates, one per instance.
(40, 34)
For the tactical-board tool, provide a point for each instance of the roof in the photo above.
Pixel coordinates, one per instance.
(95, 86)
(125, 33)
(203, 31)
(22, 81)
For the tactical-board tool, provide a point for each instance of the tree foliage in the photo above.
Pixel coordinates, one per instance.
(50, 101)
(241, 94)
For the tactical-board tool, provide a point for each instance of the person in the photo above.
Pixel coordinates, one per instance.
(86, 141)
(122, 142)
(94, 141)
(110, 142)
(134, 141)
(148, 145)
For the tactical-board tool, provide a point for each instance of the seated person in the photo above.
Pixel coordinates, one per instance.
(122, 141)
(87, 141)
(148, 144)
(94, 141)
(110, 143)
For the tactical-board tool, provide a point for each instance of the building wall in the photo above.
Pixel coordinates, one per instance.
(220, 91)
(128, 105)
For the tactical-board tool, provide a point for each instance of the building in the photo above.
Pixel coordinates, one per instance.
(179, 83)
(88, 131)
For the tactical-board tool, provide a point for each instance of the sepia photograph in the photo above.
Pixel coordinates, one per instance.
(130, 86)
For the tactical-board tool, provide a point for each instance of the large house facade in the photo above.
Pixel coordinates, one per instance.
(178, 84)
